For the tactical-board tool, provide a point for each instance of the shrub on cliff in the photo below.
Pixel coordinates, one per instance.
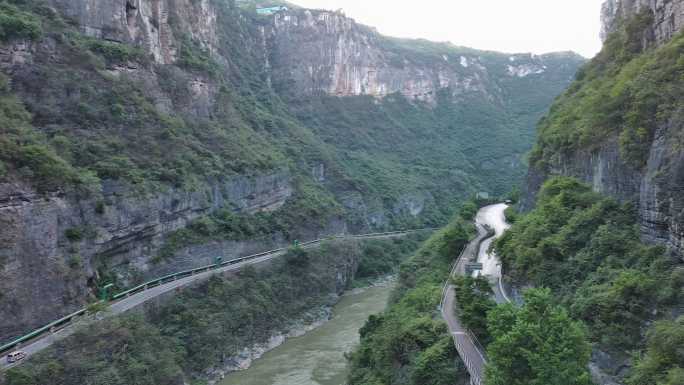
(17, 24)
(623, 92)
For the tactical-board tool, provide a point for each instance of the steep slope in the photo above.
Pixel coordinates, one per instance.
(139, 137)
(584, 247)
(619, 126)
(618, 129)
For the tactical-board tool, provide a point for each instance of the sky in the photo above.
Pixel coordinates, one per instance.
(511, 26)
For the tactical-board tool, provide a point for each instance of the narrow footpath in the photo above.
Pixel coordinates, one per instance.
(470, 350)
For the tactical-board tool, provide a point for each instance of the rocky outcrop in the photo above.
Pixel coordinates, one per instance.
(144, 23)
(656, 188)
(349, 59)
(668, 17)
(54, 246)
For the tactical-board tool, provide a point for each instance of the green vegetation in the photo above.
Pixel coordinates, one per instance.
(624, 92)
(663, 363)
(586, 248)
(16, 23)
(536, 344)
(312, 209)
(74, 234)
(407, 344)
(109, 127)
(382, 257)
(175, 342)
(511, 214)
(113, 51)
(473, 303)
(197, 58)
(126, 350)
(80, 119)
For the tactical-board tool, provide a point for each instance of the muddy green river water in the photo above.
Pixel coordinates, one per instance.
(317, 358)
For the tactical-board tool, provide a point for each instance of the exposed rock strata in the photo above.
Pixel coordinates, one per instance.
(44, 274)
(657, 188)
(668, 16)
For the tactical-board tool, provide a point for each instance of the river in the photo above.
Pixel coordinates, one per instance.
(317, 358)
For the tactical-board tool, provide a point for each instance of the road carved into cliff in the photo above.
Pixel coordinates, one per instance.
(490, 225)
(134, 298)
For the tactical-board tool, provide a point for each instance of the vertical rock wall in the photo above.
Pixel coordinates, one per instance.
(658, 187)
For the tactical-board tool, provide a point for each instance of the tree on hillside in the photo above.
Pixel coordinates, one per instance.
(663, 363)
(474, 301)
(538, 344)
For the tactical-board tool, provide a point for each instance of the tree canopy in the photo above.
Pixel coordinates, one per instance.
(538, 344)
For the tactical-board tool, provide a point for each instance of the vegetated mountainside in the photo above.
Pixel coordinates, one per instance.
(409, 344)
(216, 327)
(617, 129)
(619, 126)
(139, 138)
(585, 248)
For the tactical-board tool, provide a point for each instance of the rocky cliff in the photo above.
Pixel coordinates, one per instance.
(349, 59)
(632, 152)
(124, 122)
(668, 17)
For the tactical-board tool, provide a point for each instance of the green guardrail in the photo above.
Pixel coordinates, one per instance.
(160, 281)
(41, 330)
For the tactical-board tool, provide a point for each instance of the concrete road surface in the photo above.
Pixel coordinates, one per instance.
(493, 217)
(472, 354)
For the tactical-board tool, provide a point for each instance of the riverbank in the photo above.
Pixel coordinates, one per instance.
(179, 338)
(409, 344)
(316, 355)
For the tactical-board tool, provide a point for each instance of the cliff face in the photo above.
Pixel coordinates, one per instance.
(144, 116)
(668, 17)
(144, 23)
(349, 59)
(655, 180)
(44, 267)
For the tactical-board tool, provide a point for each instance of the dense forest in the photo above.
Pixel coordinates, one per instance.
(590, 285)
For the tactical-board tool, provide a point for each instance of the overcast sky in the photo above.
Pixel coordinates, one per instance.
(511, 26)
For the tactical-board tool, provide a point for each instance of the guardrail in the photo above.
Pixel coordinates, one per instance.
(64, 321)
(474, 376)
(475, 379)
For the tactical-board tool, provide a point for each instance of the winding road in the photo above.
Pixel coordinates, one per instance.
(134, 300)
(470, 350)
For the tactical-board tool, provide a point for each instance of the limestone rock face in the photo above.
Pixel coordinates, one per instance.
(144, 23)
(668, 16)
(44, 267)
(323, 52)
(658, 187)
